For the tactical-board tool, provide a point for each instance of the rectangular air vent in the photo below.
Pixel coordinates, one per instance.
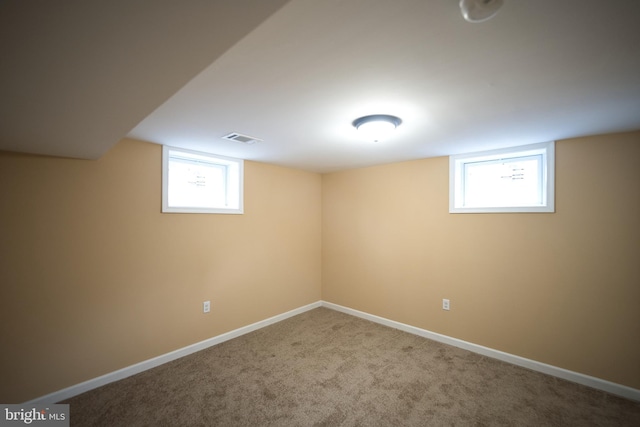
(238, 137)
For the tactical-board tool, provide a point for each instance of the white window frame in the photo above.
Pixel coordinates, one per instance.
(457, 177)
(234, 181)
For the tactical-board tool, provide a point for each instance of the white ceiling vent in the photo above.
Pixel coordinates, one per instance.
(245, 139)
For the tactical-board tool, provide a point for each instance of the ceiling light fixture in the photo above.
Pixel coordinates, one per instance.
(376, 126)
(479, 10)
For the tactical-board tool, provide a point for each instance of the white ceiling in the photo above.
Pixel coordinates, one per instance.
(77, 75)
(170, 73)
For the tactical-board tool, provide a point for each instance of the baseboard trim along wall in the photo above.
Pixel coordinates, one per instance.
(597, 383)
(120, 374)
(576, 377)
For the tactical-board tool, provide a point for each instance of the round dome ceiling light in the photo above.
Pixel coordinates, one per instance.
(377, 126)
(479, 10)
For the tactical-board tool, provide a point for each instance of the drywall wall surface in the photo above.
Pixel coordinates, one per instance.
(95, 278)
(560, 288)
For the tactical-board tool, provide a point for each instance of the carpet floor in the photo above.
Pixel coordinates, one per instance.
(326, 368)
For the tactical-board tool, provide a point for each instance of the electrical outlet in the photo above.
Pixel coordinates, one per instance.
(206, 306)
(445, 304)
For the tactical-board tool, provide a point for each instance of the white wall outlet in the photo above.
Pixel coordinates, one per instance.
(206, 306)
(445, 304)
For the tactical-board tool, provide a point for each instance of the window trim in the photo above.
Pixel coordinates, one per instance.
(215, 159)
(456, 177)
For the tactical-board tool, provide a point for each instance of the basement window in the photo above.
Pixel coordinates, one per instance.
(517, 179)
(195, 182)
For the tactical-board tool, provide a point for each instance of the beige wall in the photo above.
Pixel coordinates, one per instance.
(94, 278)
(562, 288)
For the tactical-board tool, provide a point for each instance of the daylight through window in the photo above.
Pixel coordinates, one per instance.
(194, 182)
(519, 179)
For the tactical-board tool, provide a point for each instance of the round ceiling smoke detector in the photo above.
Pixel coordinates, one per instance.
(377, 126)
(479, 10)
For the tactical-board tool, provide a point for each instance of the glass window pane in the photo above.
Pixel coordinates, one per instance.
(508, 182)
(196, 184)
(516, 179)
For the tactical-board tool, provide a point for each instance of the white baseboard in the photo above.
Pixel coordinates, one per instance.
(597, 383)
(576, 377)
(77, 389)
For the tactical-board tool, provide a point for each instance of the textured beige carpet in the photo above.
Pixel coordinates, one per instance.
(325, 368)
